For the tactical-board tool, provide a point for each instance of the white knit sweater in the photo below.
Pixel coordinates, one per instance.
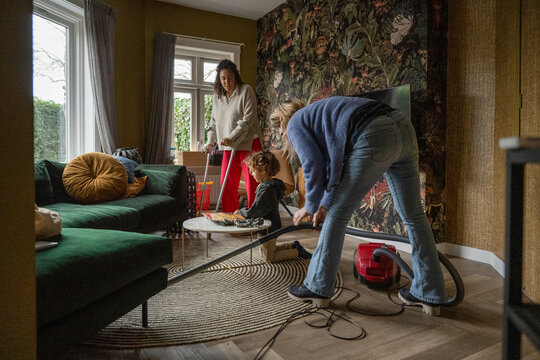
(235, 118)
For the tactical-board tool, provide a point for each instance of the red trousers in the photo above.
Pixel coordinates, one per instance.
(229, 198)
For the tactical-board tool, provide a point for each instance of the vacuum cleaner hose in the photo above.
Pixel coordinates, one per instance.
(460, 290)
(200, 268)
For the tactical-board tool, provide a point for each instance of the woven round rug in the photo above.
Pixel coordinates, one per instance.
(218, 303)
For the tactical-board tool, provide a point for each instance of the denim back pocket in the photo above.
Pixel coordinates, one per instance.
(382, 143)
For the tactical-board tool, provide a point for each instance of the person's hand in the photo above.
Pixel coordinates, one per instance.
(226, 141)
(207, 148)
(319, 216)
(301, 215)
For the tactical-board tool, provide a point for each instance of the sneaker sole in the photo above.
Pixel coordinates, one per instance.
(317, 302)
(426, 308)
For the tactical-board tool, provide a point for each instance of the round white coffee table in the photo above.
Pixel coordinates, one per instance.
(202, 224)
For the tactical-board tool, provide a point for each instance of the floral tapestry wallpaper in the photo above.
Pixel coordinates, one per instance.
(313, 49)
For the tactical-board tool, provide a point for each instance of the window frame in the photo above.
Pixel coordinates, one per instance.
(202, 60)
(201, 50)
(81, 128)
(193, 69)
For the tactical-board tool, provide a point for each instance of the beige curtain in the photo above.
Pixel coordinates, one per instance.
(100, 22)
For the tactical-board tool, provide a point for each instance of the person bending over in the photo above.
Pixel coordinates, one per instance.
(345, 144)
(263, 166)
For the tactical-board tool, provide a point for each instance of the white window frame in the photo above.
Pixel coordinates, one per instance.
(81, 128)
(201, 50)
(193, 68)
(202, 60)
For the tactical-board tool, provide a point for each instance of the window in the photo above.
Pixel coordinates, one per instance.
(194, 74)
(63, 108)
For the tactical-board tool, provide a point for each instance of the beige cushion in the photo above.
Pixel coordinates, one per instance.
(285, 173)
(47, 223)
(95, 177)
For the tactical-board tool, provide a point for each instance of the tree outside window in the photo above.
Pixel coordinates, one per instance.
(49, 55)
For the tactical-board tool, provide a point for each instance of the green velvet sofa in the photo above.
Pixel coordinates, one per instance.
(162, 203)
(103, 266)
(90, 279)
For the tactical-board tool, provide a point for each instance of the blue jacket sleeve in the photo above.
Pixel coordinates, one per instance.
(313, 163)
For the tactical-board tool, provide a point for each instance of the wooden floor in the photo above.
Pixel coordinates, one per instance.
(470, 331)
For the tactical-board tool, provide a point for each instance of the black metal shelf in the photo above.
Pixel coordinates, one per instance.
(518, 317)
(526, 317)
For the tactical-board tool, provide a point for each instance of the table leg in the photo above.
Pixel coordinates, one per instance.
(182, 249)
(250, 255)
(207, 238)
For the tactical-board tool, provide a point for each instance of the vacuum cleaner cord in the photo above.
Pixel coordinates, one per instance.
(458, 297)
(329, 314)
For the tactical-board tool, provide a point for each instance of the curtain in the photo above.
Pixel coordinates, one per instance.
(161, 108)
(100, 21)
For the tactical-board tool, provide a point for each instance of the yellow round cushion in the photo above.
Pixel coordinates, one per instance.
(95, 177)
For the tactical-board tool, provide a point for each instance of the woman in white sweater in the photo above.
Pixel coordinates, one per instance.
(234, 125)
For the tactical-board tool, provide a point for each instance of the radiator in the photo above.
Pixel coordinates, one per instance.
(214, 189)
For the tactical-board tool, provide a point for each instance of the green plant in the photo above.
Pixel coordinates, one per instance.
(49, 130)
(207, 115)
(182, 124)
(182, 121)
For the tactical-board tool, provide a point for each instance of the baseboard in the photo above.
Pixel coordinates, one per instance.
(469, 253)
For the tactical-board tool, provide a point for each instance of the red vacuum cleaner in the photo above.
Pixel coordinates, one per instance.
(375, 270)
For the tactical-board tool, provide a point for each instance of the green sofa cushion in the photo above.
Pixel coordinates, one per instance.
(43, 187)
(97, 216)
(159, 182)
(180, 192)
(56, 169)
(152, 208)
(89, 264)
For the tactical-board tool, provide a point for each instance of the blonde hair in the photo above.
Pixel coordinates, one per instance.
(280, 118)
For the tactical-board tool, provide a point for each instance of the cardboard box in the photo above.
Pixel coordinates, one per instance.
(191, 158)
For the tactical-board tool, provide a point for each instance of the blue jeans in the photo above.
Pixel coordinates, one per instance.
(387, 146)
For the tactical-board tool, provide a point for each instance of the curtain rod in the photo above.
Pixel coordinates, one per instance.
(205, 39)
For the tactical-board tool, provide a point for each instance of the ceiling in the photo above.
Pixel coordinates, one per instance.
(249, 9)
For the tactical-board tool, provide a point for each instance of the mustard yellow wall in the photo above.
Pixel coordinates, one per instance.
(130, 71)
(137, 23)
(17, 265)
